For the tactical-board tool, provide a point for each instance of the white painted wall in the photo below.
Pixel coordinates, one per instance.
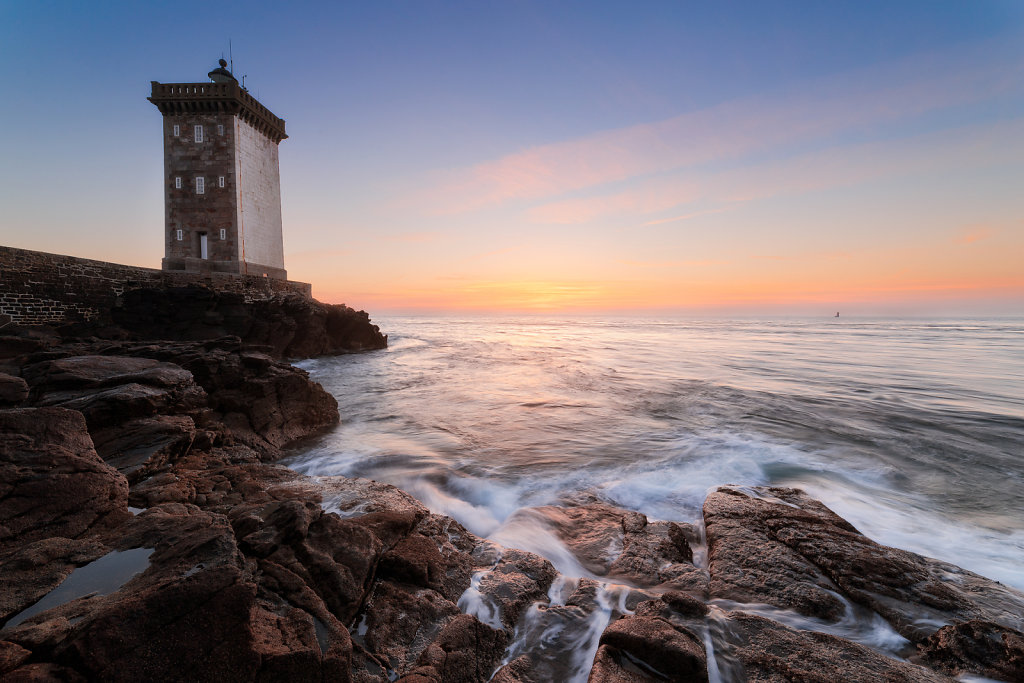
(258, 179)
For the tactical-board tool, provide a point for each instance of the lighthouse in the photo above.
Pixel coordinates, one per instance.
(222, 179)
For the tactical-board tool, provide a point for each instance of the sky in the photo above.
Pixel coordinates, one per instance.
(764, 157)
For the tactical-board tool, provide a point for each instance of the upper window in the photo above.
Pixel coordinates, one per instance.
(220, 129)
(177, 130)
(220, 181)
(199, 133)
(177, 182)
(200, 185)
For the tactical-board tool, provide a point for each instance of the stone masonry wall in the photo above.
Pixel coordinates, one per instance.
(40, 288)
(214, 210)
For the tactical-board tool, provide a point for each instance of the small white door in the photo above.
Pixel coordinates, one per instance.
(202, 246)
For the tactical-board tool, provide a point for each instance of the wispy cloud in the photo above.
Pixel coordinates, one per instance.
(852, 102)
(973, 233)
(686, 216)
(674, 264)
(416, 237)
(653, 196)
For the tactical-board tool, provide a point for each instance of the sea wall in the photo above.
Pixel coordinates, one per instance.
(38, 288)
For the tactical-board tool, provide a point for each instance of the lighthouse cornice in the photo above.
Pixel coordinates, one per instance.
(229, 98)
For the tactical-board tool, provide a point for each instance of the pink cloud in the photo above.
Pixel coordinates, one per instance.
(727, 131)
(973, 233)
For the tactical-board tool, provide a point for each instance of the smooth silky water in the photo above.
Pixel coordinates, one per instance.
(913, 430)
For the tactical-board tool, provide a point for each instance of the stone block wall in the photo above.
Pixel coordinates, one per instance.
(214, 210)
(38, 288)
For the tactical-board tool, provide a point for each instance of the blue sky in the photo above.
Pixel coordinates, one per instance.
(557, 156)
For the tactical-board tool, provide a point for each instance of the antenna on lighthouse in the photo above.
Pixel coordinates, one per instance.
(231, 56)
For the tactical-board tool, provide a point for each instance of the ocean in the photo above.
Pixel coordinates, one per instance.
(911, 429)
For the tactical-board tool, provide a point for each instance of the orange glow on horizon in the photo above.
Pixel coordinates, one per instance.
(583, 297)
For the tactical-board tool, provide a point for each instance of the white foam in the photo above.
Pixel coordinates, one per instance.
(475, 603)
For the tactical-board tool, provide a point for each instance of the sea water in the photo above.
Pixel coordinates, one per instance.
(911, 429)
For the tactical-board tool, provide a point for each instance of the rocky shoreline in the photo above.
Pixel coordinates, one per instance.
(146, 534)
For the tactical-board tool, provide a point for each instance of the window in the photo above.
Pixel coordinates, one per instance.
(223, 234)
(199, 133)
(220, 129)
(177, 182)
(179, 234)
(220, 181)
(200, 185)
(177, 130)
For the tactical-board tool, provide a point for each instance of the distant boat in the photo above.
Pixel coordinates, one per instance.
(837, 314)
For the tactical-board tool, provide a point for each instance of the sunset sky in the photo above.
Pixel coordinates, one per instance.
(736, 157)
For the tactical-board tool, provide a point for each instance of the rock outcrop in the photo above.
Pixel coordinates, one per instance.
(146, 534)
(287, 325)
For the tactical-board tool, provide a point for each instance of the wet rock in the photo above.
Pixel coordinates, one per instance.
(516, 671)
(552, 639)
(656, 646)
(464, 651)
(35, 569)
(778, 546)
(658, 554)
(353, 497)
(13, 390)
(400, 621)
(978, 647)
(334, 557)
(414, 560)
(610, 541)
(144, 445)
(747, 563)
(519, 579)
(97, 371)
(613, 666)
(265, 404)
(52, 482)
(11, 656)
(766, 652)
(165, 487)
(43, 672)
(289, 646)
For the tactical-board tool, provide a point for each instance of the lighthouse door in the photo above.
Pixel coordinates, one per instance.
(203, 253)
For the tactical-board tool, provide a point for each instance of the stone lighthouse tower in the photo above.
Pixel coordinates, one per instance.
(222, 196)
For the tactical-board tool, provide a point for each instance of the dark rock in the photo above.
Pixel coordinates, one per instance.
(768, 652)
(516, 671)
(43, 672)
(13, 390)
(355, 497)
(290, 325)
(780, 547)
(659, 646)
(465, 651)
(613, 666)
(52, 482)
(978, 647)
(400, 621)
(30, 572)
(144, 445)
(747, 564)
(336, 558)
(95, 372)
(519, 579)
(414, 560)
(112, 390)
(11, 656)
(266, 404)
(610, 541)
